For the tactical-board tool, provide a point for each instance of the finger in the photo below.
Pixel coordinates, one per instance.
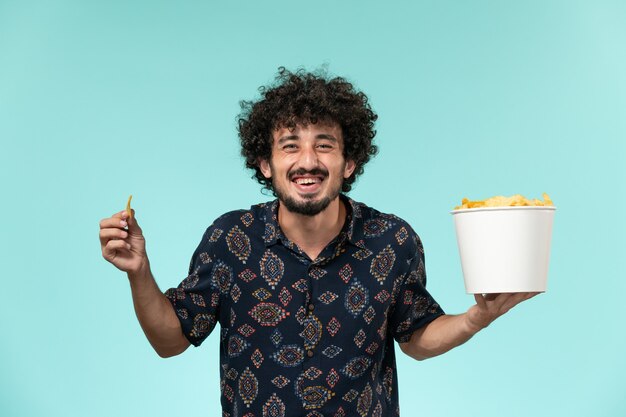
(112, 233)
(133, 226)
(501, 299)
(113, 221)
(130, 218)
(110, 249)
(491, 296)
(124, 214)
(529, 295)
(510, 301)
(480, 300)
(514, 300)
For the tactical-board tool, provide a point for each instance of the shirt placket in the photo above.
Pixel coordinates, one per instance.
(312, 327)
(316, 287)
(312, 352)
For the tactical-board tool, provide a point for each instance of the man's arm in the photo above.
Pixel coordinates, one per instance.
(156, 315)
(448, 331)
(126, 249)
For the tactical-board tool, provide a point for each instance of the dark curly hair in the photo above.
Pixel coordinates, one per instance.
(301, 98)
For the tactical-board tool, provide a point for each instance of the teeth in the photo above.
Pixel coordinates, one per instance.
(307, 180)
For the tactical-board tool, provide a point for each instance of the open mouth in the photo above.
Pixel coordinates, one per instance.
(308, 183)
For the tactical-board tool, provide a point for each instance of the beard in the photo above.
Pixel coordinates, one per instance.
(309, 207)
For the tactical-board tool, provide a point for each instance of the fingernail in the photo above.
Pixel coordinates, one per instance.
(123, 223)
(128, 245)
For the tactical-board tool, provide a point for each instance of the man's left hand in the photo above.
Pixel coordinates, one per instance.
(491, 306)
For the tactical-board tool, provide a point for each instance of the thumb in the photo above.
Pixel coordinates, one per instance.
(133, 226)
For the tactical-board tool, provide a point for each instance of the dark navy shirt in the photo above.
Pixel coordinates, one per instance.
(302, 337)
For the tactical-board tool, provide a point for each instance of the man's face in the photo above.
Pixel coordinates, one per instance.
(307, 166)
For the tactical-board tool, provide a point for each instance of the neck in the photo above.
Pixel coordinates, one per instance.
(313, 233)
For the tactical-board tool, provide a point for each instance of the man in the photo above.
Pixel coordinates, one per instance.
(310, 290)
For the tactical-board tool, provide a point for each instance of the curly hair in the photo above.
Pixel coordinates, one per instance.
(301, 98)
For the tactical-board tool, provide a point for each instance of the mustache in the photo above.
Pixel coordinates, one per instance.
(302, 171)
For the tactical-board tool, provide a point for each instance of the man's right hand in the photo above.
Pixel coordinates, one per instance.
(124, 246)
(122, 242)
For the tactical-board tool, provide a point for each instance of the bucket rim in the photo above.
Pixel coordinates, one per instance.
(503, 208)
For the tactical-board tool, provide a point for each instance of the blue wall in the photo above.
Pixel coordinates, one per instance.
(99, 100)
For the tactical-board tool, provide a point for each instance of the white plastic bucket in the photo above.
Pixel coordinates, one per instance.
(504, 249)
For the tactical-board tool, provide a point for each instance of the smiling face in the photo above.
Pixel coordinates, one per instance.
(307, 166)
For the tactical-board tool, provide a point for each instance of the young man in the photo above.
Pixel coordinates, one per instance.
(310, 290)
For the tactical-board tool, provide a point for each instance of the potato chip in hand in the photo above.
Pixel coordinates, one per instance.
(129, 212)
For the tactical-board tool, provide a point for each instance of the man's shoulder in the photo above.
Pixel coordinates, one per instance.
(370, 215)
(254, 216)
(376, 225)
(366, 212)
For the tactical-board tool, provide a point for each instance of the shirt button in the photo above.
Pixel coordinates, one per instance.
(309, 353)
(311, 307)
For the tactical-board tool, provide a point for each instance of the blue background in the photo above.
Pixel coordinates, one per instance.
(99, 100)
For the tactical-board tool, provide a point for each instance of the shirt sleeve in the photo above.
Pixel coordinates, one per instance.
(196, 300)
(413, 306)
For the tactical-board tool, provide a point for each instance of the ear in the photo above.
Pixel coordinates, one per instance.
(349, 169)
(265, 168)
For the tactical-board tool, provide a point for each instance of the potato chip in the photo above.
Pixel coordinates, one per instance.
(129, 212)
(501, 201)
(547, 199)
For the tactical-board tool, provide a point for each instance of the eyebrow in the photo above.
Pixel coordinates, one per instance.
(326, 136)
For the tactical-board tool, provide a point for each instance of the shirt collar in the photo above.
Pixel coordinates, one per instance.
(353, 230)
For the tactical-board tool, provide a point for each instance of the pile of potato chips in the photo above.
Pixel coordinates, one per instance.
(500, 201)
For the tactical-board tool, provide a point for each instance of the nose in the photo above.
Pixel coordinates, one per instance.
(308, 158)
